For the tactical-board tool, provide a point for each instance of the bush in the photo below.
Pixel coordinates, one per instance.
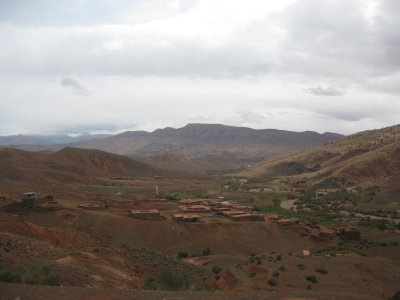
(216, 269)
(173, 197)
(182, 254)
(206, 252)
(282, 268)
(321, 270)
(301, 267)
(272, 282)
(167, 282)
(275, 274)
(37, 274)
(252, 274)
(396, 296)
(312, 278)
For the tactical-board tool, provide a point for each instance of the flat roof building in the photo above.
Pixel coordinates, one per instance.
(146, 214)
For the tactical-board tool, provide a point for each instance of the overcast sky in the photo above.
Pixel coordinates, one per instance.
(113, 65)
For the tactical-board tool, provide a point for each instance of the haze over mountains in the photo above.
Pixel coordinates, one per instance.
(15, 140)
(202, 140)
(368, 158)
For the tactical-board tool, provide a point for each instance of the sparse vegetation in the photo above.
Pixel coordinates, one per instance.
(312, 278)
(37, 274)
(322, 270)
(182, 254)
(216, 269)
(272, 282)
(301, 267)
(207, 251)
(167, 281)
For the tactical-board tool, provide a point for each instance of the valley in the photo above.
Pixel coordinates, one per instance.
(303, 225)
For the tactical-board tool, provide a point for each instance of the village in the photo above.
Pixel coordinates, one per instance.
(196, 211)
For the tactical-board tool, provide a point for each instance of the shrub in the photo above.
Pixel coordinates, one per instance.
(173, 197)
(282, 268)
(321, 270)
(312, 278)
(206, 252)
(168, 282)
(275, 274)
(182, 254)
(301, 267)
(216, 269)
(252, 274)
(37, 274)
(272, 282)
(396, 296)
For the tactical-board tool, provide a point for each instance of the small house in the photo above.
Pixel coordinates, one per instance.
(148, 214)
(186, 218)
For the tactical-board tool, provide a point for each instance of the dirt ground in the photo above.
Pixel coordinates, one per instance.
(36, 292)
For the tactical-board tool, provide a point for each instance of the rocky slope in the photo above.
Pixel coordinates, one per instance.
(367, 158)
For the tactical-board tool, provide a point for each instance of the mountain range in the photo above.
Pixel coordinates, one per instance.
(197, 141)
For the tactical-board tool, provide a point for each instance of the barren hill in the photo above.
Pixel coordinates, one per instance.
(367, 158)
(201, 140)
(69, 165)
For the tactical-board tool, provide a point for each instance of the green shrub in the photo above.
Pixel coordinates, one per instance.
(173, 197)
(167, 282)
(206, 252)
(282, 268)
(396, 296)
(37, 274)
(275, 274)
(182, 254)
(301, 267)
(321, 270)
(312, 278)
(216, 269)
(272, 282)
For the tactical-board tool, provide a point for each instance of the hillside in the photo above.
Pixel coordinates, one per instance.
(201, 140)
(367, 158)
(69, 165)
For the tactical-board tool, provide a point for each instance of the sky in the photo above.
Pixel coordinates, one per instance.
(107, 66)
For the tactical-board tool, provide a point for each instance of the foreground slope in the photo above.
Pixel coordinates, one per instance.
(367, 158)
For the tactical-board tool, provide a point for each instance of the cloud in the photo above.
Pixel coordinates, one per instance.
(323, 91)
(74, 85)
(170, 62)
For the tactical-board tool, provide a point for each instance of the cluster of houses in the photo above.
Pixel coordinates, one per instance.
(192, 210)
(317, 232)
(231, 210)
